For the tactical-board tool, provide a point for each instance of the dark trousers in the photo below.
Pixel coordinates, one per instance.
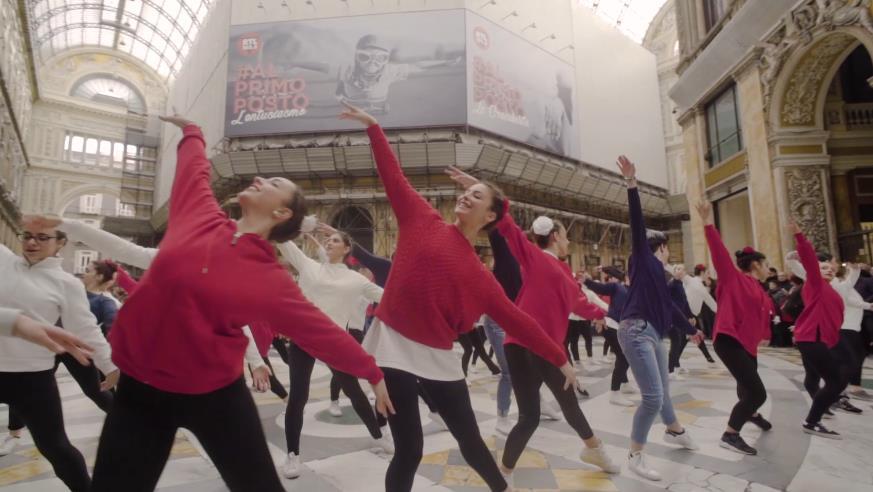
(35, 397)
(529, 372)
(452, 400)
(141, 428)
(619, 371)
(275, 386)
(820, 362)
(87, 377)
(471, 342)
(334, 384)
(854, 346)
(281, 346)
(579, 328)
(744, 368)
(678, 341)
(301, 374)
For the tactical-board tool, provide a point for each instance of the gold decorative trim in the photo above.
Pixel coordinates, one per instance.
(800, 149)
(726, 169)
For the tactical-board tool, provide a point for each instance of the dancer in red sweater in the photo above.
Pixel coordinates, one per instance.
(817, 333)
(437, 289)
(178, 338)
(549, 293)
(743, 321)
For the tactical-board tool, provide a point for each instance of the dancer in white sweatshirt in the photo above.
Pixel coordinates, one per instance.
(336, 290)
(35, 285)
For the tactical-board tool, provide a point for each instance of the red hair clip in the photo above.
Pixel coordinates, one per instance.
(749, 250)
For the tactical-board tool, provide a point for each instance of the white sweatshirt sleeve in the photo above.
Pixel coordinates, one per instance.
(297, 258)
(77, 318)
(371, 291)
(7, 321)
(253, 357)
(595, 299)
(794, 266)
(109, 244)
(707, 297)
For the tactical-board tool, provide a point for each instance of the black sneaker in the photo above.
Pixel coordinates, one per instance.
(583, 393)
(735, 443)
(843, 405)
(820, 430)
(761, 422)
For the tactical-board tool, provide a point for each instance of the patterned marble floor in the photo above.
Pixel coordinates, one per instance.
(338, 456)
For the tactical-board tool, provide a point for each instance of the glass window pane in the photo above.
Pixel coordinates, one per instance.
(77, 143)
(726, 114)
(91, 146)
(730, 146)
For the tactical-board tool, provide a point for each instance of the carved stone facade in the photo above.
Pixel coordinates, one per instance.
(807, 194)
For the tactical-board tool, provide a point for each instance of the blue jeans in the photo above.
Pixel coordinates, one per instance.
(495, 336)
(645, 353)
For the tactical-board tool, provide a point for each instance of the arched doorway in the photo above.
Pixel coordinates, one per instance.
(356, 222)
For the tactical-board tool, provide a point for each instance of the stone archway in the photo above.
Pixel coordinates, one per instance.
(64, 201)
(798, 63)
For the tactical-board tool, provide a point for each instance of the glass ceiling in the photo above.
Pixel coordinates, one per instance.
(102, 88)
(631, 17)
(158, 32)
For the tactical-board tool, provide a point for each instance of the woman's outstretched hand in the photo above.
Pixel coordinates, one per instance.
(793, 228)
(704, 209)
(460, 177)
(176, 120)
(383, 401)
(357, 114)
(628, 170)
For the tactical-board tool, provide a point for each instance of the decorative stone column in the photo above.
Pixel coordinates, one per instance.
(693, 135)
(808, 202)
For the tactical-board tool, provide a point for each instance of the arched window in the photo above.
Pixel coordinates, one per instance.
(106, 89)
(356, 222)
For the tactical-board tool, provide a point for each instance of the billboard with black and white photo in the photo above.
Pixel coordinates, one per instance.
(520, 91)
(407, 69)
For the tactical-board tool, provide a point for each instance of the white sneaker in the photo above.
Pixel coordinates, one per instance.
(550, 411)
(335, 410)
(436, 419)
(504, 425)
(682, 370)
(385, 443)
(683, 440)
(675, 376)
(508, 477)
(629, 389)
(637, 464)
(598, 457)
(8, 444)
(292, 467)
(616, 398)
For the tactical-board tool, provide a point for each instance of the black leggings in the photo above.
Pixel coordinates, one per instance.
(820, 362)
(529, 372)
(281, 346)
(744, 368)
(334, 383)
(35, 396)
(301, 374)
(471, 342)
(452, 399)
(854, 344)
(141, 428)
(678, 341)
(575, 329)
(87, 377)
(619, 371)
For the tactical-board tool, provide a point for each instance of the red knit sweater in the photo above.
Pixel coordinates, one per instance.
(549, 293)
(744, 309)
(437, 287)
(179, 331)
(823, 307)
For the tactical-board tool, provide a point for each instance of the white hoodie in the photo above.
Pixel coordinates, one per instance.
(46, 293)
(7, 320)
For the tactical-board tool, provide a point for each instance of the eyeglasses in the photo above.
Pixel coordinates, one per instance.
(364, 57)
(42, 238)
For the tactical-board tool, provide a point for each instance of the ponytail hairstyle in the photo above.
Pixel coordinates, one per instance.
(498, 205)
(290, 229)
(542, 229)
(747, 256)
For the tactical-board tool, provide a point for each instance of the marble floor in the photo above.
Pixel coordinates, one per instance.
(338, 457)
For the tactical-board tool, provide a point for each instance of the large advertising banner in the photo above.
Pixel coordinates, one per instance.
(517, 90)
(407, 69)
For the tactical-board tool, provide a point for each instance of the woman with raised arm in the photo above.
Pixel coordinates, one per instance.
(647, 317)
(437, 289)
(178, 339)
(335, 289)
(35, 285)
(817, 333)
(743, 322)
(549, 293)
